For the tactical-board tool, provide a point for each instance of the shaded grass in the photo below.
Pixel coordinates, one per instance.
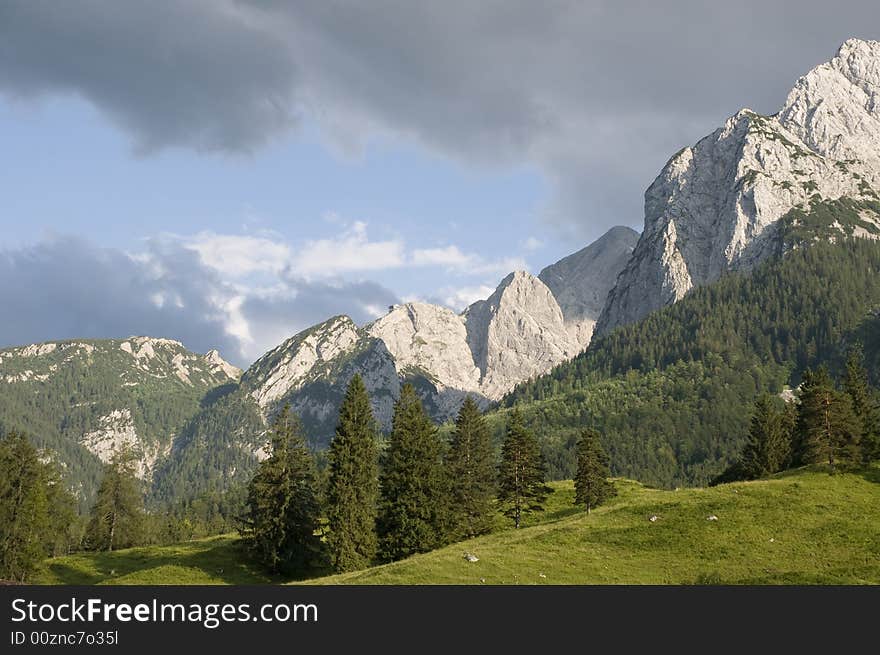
(215, 560)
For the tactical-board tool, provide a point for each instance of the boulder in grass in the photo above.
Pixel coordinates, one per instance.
(470, 557)
(711, 517)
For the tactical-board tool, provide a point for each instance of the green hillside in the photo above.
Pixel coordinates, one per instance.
(61, 392)
(804, 527)
(672, 394)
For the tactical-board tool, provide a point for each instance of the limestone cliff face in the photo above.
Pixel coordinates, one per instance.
(517, 333)
(716, 206)
(581, 282)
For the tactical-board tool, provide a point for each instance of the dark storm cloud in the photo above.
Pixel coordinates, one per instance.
(67, 288)
(596, 95)
(197, 74)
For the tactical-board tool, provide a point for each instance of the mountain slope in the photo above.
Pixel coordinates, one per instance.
(85, 400)
(717, 206)
(673, 393)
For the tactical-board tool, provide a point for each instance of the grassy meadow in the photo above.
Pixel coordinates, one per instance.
(801, 527)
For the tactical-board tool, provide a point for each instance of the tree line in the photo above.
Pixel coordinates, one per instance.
(835, 425)
(419, 494)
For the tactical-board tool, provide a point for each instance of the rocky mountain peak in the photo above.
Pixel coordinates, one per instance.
(581, 282)
(288, 366)
(220, 365)
(718, 205)
(516, 333)
(430, 339)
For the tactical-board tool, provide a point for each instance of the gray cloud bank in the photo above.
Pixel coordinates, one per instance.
(65, 288)
(596, 95)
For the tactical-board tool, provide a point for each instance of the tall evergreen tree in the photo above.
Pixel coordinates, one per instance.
(521, 487)
(855, 383)
(828, 429)
(282, 507)
(117, 516)
(61, 535)
(412, 508)
(24, 515)
(591, 483)
(353, 485)
(471, 470)
(769, 444)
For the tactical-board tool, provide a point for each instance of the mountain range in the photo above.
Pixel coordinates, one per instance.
(721, 206)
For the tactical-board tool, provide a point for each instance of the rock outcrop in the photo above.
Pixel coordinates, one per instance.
(517, 333)
(581, 282)
(717, 206)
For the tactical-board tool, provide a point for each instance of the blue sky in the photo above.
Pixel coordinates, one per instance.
(231, 172)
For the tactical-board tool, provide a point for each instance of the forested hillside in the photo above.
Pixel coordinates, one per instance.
(673, 393)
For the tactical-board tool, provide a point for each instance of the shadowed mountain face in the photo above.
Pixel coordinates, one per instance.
(718, 205)
(581, 282)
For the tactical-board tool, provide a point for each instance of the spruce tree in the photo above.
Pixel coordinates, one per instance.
(855, 383)
(24, 514)
(282, 507)
(769, 443)
(591, 483)
(471, 471)
(413, 487)
(521, 487)
(828, 429)
(117, 516)
(353, 485)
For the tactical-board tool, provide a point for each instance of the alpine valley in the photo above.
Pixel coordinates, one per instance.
(759, 258)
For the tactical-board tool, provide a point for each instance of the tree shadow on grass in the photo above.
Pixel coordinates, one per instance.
(221, 560)
(872, 474)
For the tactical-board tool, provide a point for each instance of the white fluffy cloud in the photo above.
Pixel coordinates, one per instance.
(352, 251)
(236, 255)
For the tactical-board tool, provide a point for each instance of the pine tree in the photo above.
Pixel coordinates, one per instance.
(24, 515)
(282, 507)
(60, 537)
(117, 516)
(855, 383)
(353, 486)
(769, 444)
(591, 483)
(828, 429)
(521, 487)
(471, 470)
(413, 486)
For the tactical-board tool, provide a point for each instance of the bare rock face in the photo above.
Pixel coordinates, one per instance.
(581, 282)
(517, 333)
(717, 205)
(289, 366)
(429, 339)
(311, 370)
